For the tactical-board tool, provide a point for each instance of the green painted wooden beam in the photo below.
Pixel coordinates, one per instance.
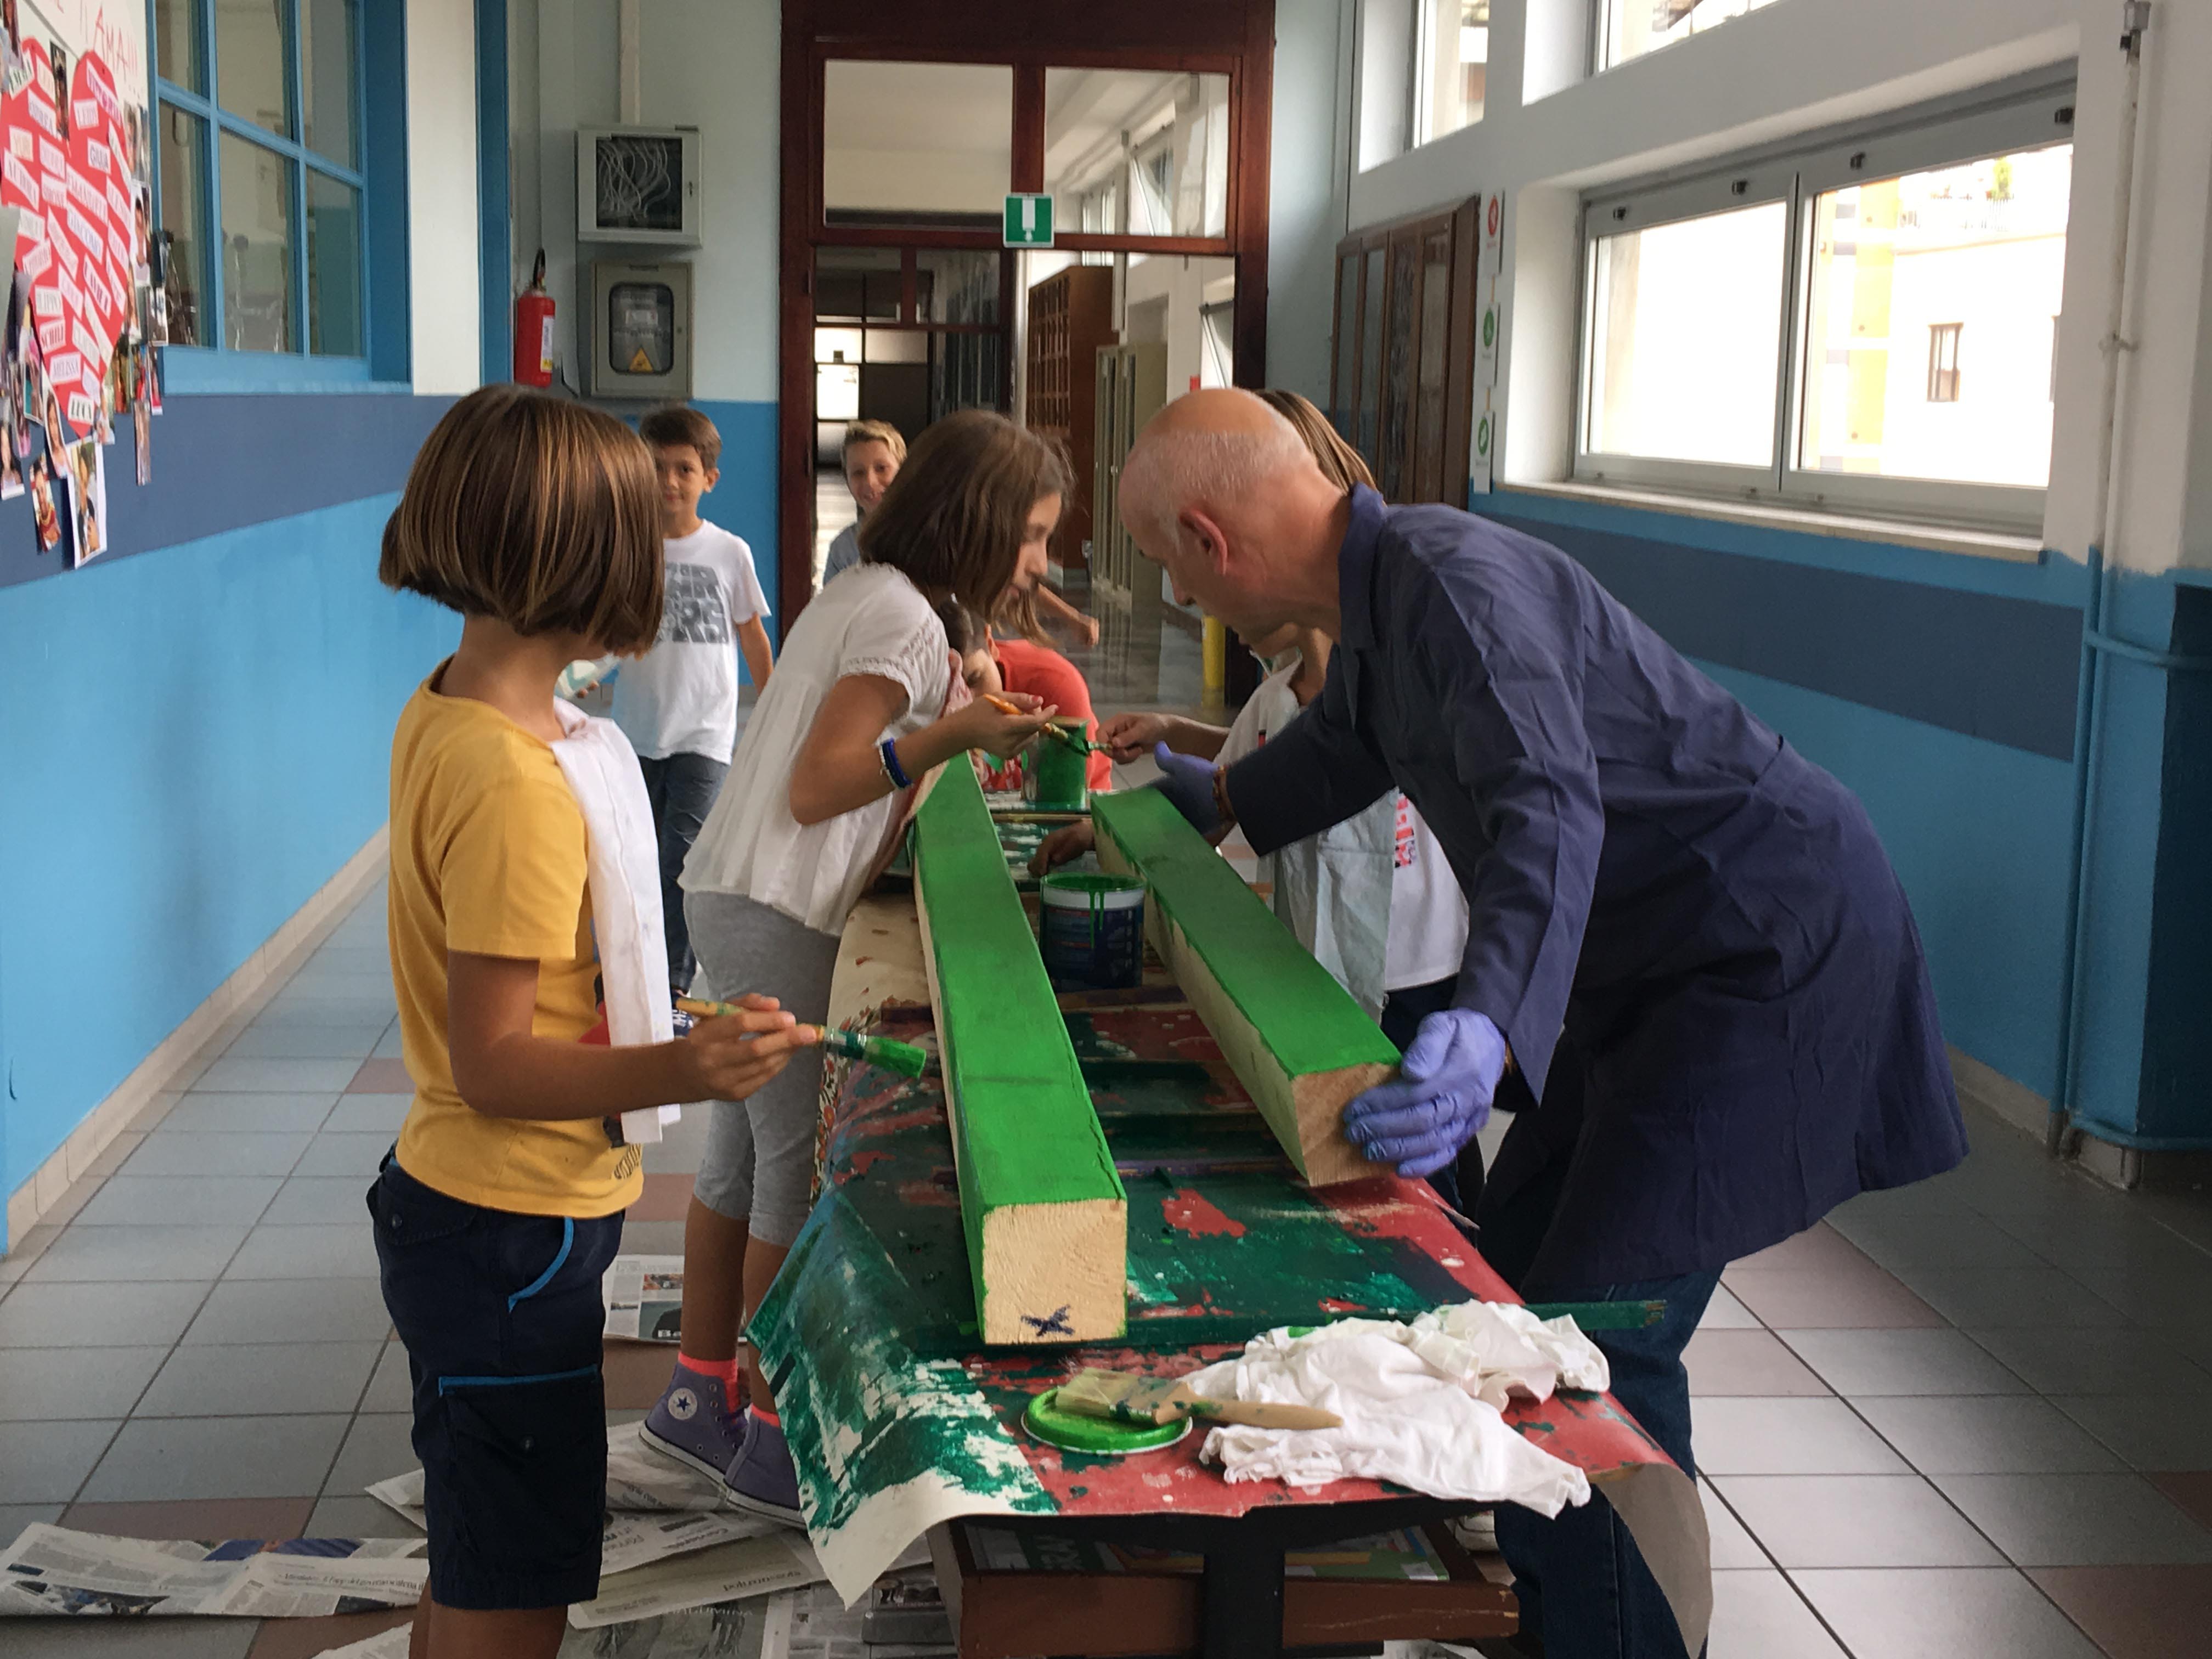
(1047, 1223)
(1296, 1041)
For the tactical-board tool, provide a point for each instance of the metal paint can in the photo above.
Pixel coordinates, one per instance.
(1091, 931)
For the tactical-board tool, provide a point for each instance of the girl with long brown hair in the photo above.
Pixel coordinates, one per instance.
(865, 701)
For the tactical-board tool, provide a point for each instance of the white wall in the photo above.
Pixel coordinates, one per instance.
(1798, 67)
(442, 233)
(1310, 164)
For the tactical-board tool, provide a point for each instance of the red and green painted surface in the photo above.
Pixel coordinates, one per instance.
(900, 1417)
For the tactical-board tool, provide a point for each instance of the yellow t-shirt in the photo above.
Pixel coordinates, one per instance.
(488, 858)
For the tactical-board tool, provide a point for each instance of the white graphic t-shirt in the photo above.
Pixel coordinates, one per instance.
(681, 697)
(1372, 897)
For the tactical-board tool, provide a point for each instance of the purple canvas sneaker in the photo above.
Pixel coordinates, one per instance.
(695, 1423)
(760, 1479)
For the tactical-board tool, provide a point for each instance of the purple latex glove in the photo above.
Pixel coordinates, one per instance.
(1441, 1097)
(1188, 782)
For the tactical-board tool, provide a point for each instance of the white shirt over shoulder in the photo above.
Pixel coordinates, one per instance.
(681, 697)
(1372, 897)
(873, 621)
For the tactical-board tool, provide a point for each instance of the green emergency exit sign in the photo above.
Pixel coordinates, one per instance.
(1028, 221)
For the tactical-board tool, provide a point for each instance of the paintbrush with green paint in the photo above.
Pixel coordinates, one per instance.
(893, 1055)
(1122, 1398)
(1073, 740)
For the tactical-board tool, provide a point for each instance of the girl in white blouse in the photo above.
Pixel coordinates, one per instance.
(865, 700)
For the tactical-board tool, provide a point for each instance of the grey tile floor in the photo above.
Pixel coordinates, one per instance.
(1971, 1419)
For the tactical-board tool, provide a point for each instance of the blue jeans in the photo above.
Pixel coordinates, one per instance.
(681, 789)
(1585, 1592)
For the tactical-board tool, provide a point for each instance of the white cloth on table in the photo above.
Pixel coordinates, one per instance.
(1422, 1404)
(622, 869)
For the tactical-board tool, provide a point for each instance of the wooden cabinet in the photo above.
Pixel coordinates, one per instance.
(1401, 381)
(1071, 316)
(1131, 386)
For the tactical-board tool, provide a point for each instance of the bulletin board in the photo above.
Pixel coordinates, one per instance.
(87, 306)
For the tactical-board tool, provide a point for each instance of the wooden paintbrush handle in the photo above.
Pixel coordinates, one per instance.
(1261, 1415)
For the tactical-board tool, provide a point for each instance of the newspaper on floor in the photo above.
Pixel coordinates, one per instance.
(637, 1480)
(728, 1572)
(52, 1570)
(645, 1298)
(814, 1623)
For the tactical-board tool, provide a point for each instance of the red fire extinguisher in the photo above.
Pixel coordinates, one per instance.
(533, 330)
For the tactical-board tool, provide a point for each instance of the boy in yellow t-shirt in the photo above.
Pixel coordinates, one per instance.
(498, 1211)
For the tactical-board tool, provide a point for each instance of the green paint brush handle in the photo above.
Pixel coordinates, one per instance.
(1081, 744)
(901, 1057)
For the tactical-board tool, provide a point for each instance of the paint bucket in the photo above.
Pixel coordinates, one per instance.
(1059, 773)
(1091, 931)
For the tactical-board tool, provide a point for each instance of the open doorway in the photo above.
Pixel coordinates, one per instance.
(910, 136)
(1103, 340)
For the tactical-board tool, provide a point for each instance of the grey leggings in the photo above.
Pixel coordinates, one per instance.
(758, 1167)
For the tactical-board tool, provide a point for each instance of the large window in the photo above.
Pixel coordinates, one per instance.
(1424, 72)
(1629, 28)
(1451, 66)
(262, 183)
(1866, 326)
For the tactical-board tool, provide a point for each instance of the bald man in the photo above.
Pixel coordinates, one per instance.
(1688, 961)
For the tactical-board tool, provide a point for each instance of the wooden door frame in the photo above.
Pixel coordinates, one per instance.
(1232, 37)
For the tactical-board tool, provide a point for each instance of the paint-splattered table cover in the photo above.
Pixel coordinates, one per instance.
(898, 1420)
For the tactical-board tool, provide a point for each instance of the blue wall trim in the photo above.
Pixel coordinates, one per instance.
(224, 463)
(1985, 665)
(197, 739)
(495, 257)
(384, 135)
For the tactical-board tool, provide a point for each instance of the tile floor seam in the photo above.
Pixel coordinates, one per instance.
(130, 1417)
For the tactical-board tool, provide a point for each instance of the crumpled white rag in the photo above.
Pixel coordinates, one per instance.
(1421, 1403)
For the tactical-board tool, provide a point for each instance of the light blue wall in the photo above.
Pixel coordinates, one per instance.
(743, 502)
(195, 740)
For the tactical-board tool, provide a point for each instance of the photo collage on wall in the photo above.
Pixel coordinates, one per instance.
(84, 317)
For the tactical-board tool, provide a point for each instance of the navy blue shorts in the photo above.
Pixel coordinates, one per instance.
(502, 1316)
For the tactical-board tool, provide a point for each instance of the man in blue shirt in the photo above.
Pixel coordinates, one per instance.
(1688, 961)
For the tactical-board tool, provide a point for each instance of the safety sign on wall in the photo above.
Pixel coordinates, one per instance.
(1029, 220)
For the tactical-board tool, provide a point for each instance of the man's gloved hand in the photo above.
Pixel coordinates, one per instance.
(1188, 782)
(1441, 1097)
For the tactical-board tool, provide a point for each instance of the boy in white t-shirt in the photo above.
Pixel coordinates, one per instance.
(677, 704)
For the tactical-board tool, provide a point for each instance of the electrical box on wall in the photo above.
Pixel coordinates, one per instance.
(638, 185)
(641, 330)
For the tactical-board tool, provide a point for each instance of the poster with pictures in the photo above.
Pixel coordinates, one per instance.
(87, 493)
(45, 506)
(75, 161)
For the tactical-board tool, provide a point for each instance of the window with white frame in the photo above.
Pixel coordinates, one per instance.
(1625, 29)
(262, 175)
(1863, 325)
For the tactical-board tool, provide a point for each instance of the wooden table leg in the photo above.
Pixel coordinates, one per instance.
(1241, 1615)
